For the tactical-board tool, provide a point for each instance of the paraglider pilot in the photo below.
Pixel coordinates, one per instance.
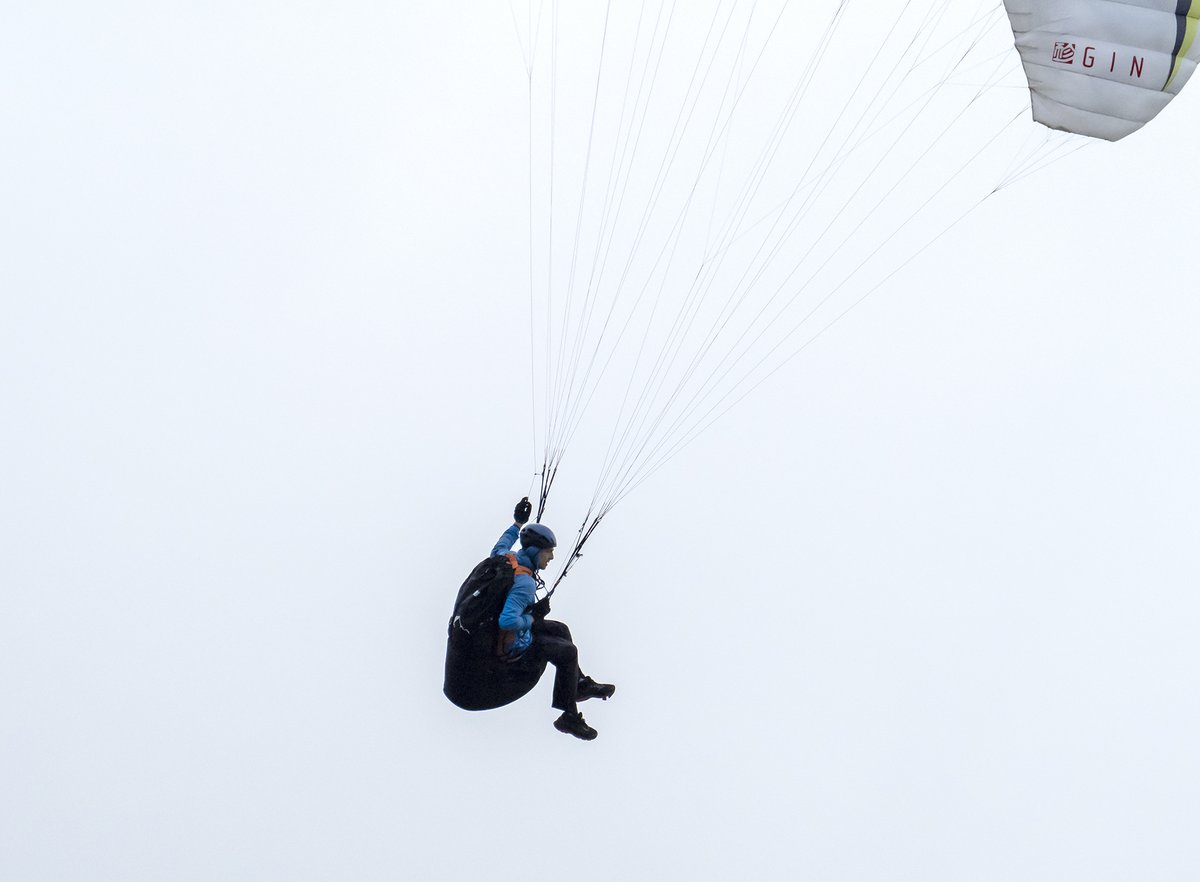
(525, 629)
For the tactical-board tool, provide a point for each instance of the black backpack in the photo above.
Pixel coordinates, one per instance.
(480, 600)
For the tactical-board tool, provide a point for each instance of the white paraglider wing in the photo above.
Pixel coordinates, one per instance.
(1104, 68)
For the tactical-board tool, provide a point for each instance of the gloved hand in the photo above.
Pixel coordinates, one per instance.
(522, 512)
(541, 609)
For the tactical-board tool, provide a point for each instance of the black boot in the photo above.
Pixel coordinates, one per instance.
(575, 724)
(589, 688)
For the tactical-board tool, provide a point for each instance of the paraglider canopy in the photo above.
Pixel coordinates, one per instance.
(1104, 69)
(709, 193)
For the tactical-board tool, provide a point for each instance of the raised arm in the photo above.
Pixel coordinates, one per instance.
(507, 540)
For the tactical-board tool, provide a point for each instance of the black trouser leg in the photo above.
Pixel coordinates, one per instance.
(552, 642)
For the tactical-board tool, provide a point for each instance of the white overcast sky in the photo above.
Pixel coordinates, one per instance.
(922, 607)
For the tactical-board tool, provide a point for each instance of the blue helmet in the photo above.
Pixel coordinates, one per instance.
(537, 536)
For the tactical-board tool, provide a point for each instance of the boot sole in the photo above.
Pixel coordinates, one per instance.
(580, 735)
(603, 696)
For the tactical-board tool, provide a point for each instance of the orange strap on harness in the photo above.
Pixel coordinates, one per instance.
(518, 570)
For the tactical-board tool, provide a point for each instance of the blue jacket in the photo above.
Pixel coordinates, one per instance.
(522, 594)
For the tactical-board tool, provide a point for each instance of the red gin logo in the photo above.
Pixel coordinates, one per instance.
(1064, 53)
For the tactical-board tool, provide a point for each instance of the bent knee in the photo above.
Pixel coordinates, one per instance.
(557, 629)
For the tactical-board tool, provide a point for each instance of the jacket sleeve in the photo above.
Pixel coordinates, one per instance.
(512, 617)
(507, 540)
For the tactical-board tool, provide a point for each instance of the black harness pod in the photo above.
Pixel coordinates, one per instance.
(478, 676)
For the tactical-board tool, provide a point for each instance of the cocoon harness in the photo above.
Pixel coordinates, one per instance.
(478, 677)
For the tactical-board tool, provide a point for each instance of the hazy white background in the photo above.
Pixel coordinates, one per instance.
(923, 608)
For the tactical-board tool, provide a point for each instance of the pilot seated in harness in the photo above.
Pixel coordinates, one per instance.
(524, 628)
